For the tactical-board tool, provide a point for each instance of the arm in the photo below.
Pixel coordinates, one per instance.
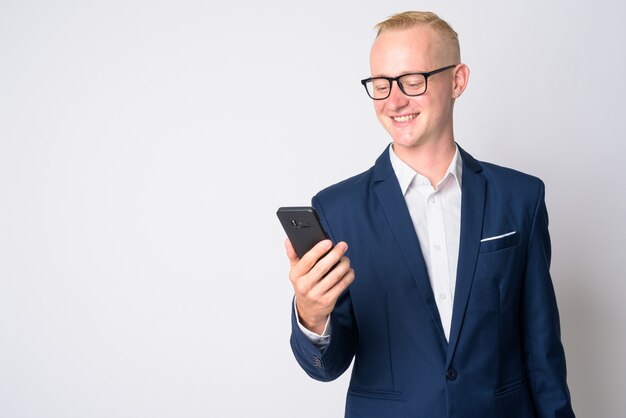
(328, 363)
(320, 340)
(544, 355)
(321, 288)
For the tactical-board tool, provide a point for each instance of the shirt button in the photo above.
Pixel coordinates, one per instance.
(438, 247)
(433, 200)
(442, 296)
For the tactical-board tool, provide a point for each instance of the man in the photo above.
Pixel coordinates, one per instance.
(444, 297)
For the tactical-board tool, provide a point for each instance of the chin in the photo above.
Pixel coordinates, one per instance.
(409, 136)
(406, 141)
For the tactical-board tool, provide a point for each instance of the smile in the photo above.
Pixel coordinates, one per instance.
(405, 118)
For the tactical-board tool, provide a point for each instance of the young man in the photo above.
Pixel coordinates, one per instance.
(446, 302)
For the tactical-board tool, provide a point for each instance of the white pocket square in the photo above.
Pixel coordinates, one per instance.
(498, 236)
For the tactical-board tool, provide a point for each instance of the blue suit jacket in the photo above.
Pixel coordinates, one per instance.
(504, 358)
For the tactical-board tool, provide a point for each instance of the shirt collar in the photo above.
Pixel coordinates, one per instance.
(406, 174)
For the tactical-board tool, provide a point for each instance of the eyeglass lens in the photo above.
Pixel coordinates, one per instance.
(410, 84)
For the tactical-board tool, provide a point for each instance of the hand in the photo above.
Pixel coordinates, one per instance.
(318, 281)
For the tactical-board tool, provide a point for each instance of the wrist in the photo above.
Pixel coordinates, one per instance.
(317, 326)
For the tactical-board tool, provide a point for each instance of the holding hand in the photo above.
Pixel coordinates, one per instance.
(318, 280)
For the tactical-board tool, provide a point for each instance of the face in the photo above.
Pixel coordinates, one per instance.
(425, 119)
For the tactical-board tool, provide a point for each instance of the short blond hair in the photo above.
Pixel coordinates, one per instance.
(408, 20)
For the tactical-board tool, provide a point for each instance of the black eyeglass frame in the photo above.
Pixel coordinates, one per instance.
(397, 80)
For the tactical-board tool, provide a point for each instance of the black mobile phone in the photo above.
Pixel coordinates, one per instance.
(302, 226)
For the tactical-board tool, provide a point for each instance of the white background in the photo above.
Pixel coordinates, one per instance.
(146, 145)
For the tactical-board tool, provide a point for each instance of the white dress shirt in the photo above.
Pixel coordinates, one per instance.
(436, 216)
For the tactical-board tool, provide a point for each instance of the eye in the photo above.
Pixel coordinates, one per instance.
(380, 85)
(413, 83)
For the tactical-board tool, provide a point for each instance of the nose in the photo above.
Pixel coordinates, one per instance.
(396, 99)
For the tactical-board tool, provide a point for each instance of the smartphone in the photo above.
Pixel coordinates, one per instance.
(302, 226)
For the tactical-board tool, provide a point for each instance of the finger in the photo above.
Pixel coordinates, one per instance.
(328, 262)
(341, 285)
(309, 259)
(334, 276)
(291, 253)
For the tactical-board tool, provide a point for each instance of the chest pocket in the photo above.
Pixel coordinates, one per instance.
(499, 242)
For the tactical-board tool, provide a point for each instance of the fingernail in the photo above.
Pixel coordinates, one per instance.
(342, 246)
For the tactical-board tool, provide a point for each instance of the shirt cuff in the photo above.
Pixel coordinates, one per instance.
(320, 341)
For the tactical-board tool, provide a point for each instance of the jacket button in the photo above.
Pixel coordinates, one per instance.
(451, 374)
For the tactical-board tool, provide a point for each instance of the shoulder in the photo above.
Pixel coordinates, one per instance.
(512, 191)
(511, 178)
(346, 192)
(503, 181)
(354, 191)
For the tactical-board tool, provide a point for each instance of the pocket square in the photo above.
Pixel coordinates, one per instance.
(498, 236)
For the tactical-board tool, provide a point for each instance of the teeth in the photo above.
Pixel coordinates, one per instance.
(404, 118)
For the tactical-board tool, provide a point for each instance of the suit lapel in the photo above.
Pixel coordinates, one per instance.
(472, 213)
(397, 215)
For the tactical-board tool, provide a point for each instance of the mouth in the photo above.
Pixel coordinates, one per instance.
(405, 118)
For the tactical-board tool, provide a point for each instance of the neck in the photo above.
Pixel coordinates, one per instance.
(429, 160)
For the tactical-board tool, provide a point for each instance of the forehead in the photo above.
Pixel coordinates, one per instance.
(405, 50)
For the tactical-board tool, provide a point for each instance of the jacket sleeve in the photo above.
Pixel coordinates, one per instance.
(329, 363)
(544, 355)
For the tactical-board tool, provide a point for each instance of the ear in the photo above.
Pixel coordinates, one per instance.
(461, 77)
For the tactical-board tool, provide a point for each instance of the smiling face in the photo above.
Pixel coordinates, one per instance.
(427, 119)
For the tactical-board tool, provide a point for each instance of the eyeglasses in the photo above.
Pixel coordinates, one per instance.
(412, 84)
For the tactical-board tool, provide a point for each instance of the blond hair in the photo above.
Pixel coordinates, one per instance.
(408, 20)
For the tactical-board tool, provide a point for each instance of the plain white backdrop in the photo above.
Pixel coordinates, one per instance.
(146, 145)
